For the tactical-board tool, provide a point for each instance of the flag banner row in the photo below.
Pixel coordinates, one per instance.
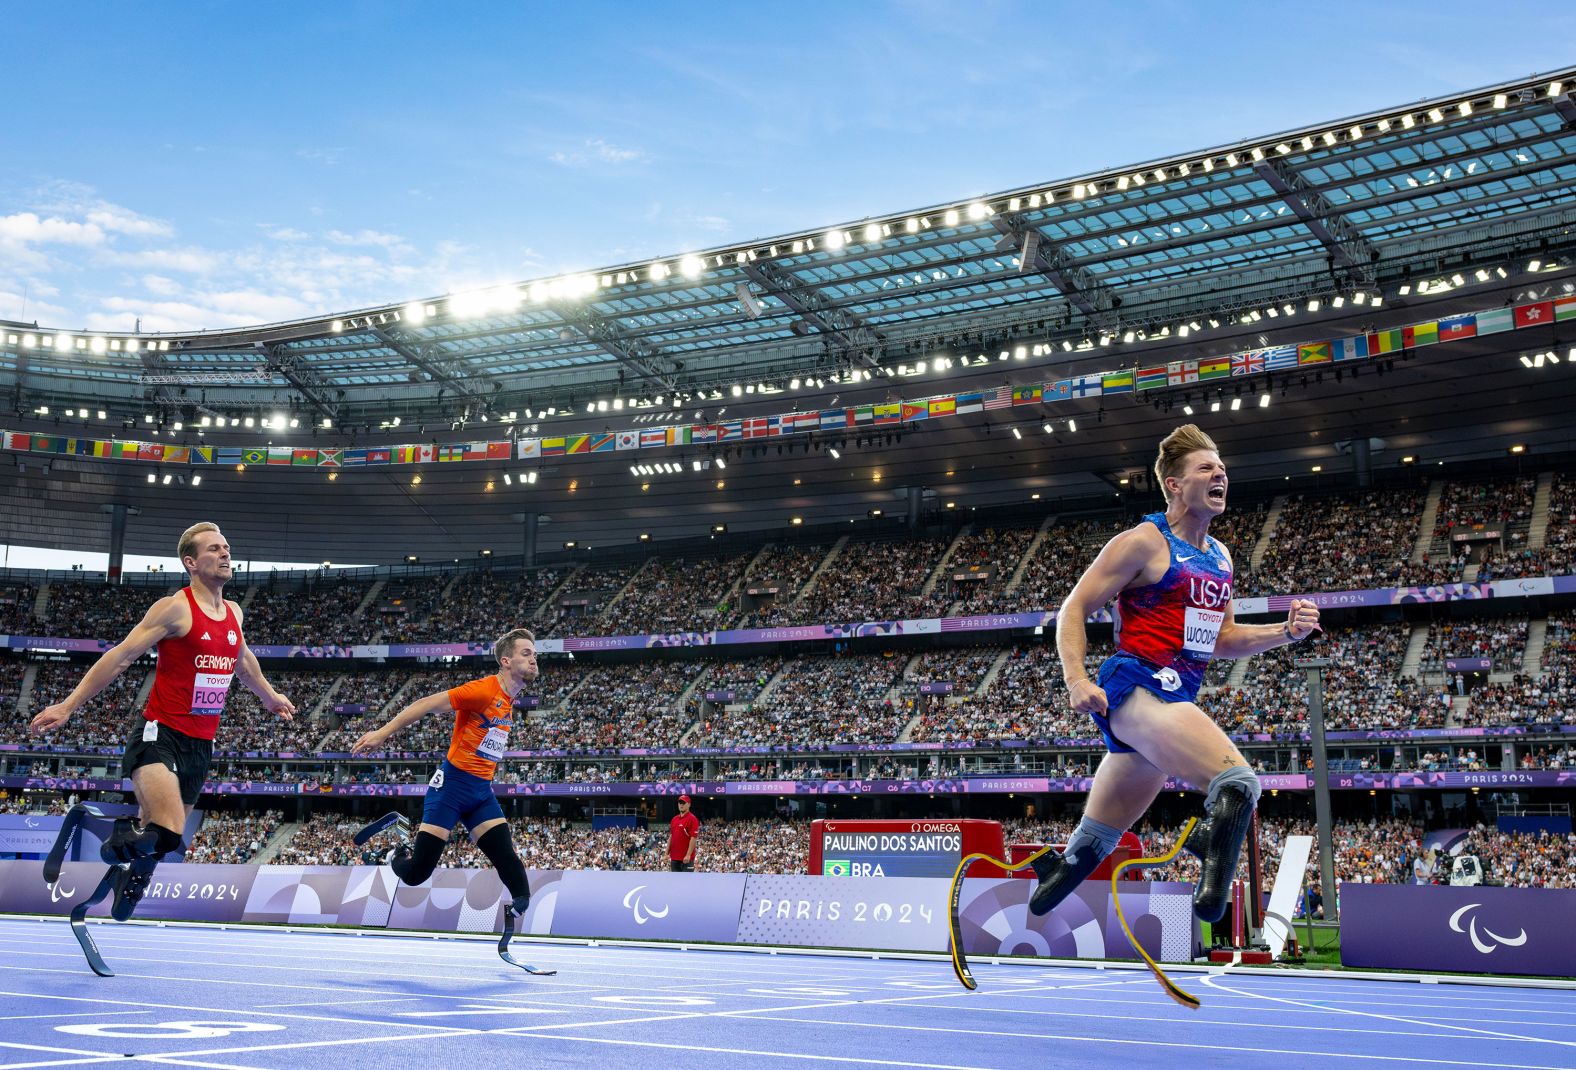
(1119, 381)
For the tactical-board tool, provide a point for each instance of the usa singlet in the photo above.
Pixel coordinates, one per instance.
(194, 673)
(1172, 624)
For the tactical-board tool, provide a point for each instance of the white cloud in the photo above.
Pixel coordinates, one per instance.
(286, 234)
(596, 151)
(189, 259)
(161, 285)
(121, 221)
(27, 308)
(28, 228)
(368, 237)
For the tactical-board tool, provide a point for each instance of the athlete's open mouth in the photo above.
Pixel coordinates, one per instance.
(1217, 494)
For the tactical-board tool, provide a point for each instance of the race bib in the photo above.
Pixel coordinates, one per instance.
(493, 744)
(1200, 629)
(208, 692)
(150, 731)
(437, 779)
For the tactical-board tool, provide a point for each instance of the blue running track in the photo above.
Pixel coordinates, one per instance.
(259, 998)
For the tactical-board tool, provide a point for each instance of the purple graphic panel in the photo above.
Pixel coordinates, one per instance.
(472, 900)
(936, 687)
(889, 913)
(177, 891)
(1469, 664)
(650, 906)
(995, 920)
(28, 834)
(1468, 930)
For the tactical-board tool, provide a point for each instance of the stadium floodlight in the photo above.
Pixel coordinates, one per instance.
(1214, 406)
(177, 426)
(1017, 433)
(250, 422)
(152, 478)
(836, 455)
(1187, 410)
(1072, 425)
(1236, 404)
(168, 479)
(1048, 429)
(1264, 400)
(721, 463)
(950, 217)
(196, 480)
(415, 312)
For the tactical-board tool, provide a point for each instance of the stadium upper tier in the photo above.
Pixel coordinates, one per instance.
(1196, 246)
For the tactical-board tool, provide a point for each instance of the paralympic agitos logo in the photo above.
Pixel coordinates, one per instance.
(1471, 932)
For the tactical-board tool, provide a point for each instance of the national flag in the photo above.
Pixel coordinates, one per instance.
(552, 447)
(579, 444)
(1182, 372)
(943, 406)
(1249, 363)
(178, 454)
(1117, 382)
(105, 448)
(1279, 357)
(147, 451)
(1534, 315)
(404, 454)
(280, 455)
(47, 443)
(652, 437)
(304, 457)
(1029, 395)
(915, 411)
(528, 448)
(1149, 378)
(967, 403)
(380, 455)
(81, 447)
(1420, 334)
(889, 414)
(1382, 342)
(1457, 327)
(1000, 398)
(801, 421)
(1496, 322)
(730, 429)
(1564, 309)
(1086, 386)
(459, 451)
(601, 443)
(1350, 348)
(330, 458)
(680, 436)
(200, 454)
(755, 427)
(353, 458)
(1060, 390)
(864, 414)
(426, 454)
(833, 418)
(1214, 368)
(704, 433)
(1313, 353)
(479, 451)
(224, 454)
(628, 440)
(131, 451)
(498, 451)
(15, 440)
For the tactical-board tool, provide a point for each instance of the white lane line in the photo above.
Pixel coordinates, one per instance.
(760, 1053)
(1240, 1023)
(75, 1061)
(1490, 1033)
(71, 1014)
(209, 1010)
(341, 1003)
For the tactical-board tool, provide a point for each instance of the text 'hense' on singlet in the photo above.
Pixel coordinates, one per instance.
(483, 715)
(194, 673)
(1175, 621)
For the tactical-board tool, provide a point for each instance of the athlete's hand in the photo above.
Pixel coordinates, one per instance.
(50, 718)
(281, 705)
(1302, 620)
(1087, 696)
(372, 741)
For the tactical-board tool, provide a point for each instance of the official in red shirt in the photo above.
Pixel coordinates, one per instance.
(681, 841)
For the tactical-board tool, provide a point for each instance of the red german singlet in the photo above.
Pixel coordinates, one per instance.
(194, 673)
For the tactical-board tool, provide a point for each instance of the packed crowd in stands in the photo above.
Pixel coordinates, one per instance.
(1337, 542)
(103, 722)
(317, 613)
(816, 699)
(233, 837)
(1523, 700)
(16, 608)
(596, 585)
(1503, 641)
(1027, 700)
(632, 704)
(1502, 504)
(1549, 758)
(247, 726)
(870, 581)
(673, 595)
(1059, 560)
(788, 568)
(962, 667)
(993, 551)
(480, 604)
(99, 611)
(48, 803)
(745, 678)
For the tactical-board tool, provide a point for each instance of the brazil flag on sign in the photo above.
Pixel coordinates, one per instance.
(836, 867)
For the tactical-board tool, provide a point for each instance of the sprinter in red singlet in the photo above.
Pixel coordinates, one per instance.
(1172, 585)
(201, 650)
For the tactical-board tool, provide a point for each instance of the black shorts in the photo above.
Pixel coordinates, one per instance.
(182, 755)
(678, 866)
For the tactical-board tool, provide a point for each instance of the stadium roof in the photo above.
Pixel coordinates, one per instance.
(1454, 204)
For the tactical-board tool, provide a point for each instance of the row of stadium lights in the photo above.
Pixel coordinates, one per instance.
(694, 266)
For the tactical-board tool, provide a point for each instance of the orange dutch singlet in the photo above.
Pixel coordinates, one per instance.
(483, 715)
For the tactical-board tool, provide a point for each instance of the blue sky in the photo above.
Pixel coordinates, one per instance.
(206, 165)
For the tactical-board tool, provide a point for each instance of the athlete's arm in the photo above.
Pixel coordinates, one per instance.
(1245, 640)
(375, 739)
(1119, 563)
(689, 856)
(166, 617)
(250, 673)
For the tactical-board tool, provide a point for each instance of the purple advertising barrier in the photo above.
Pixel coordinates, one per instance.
(1461, 930)
(889, 913)
(472, 900)
(28, 834)
(993, 914)
(177, 891)
(650, 906)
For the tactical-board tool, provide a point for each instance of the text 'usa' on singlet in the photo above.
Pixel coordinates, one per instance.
(1174, 622)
